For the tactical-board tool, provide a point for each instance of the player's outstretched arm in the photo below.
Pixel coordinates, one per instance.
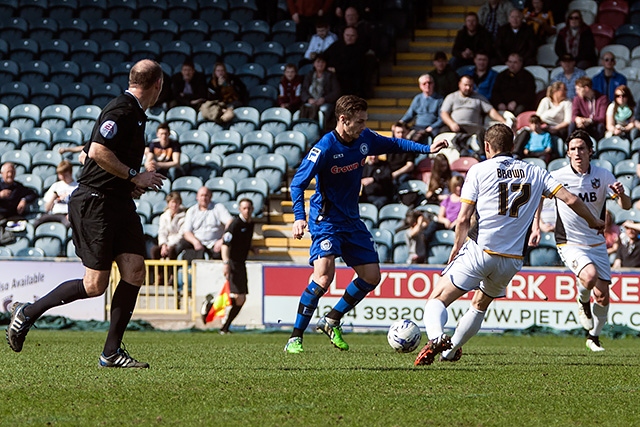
(107, 160)
(580, 208)
(439, 145)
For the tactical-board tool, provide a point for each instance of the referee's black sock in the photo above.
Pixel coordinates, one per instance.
(64, 293)
(122, 305)
(233, 313)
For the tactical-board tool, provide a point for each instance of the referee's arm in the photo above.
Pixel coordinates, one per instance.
(108, 161)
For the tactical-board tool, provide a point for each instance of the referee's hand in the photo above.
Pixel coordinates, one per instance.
(149, 180)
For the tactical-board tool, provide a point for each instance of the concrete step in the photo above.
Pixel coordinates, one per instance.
(389, 102)
(400, 80)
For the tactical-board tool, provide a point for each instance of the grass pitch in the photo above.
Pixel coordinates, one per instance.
(245, 379)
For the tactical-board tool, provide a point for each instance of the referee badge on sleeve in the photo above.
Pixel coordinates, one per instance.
(108, 129)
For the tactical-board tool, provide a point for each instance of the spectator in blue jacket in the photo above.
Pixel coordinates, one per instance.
(484, 76)
(607, 80)
(425, 109)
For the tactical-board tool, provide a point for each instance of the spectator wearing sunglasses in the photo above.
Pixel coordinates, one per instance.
(577, 40)
(607, 80)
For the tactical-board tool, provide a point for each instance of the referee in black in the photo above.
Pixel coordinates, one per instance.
(235, 248)
(103, 217)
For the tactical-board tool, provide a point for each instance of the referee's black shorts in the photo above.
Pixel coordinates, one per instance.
(104, 227)
(238, 278)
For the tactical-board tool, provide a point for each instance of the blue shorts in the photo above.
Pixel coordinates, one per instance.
(354, 244)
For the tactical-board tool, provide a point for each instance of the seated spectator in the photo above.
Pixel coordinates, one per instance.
(346, 58)
(515, 88)
(320, 91)
(377, 184)
(619, 116)
(228, 89)
(483, 76)
(290, 89)
(470, 39)
(539, 144)
(555, 110)
(188, 87)
(170, 228)
(611, 233)
(414, 226)
(588, 110)
(56, 198)
(425, 110)
(438, 188)
(445, 78)
(163, 154)
(449, 209)
(320, 41)
(628, 253)
(204, 225)
(14, 197)
(493, 14)
(364, 28)
(540, 20)
(463, 112)
(576, 39)
(516, 37)
(607, 80)
(569, 74)
(402, 164)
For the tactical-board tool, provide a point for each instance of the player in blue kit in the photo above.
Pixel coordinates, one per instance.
(336, 163)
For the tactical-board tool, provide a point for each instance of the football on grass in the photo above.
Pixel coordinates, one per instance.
(404, 336)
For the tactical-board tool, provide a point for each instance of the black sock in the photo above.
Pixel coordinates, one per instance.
(233, 313)
(64, 293)
(122, 305)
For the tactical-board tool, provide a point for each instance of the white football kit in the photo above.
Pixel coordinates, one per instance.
(506, 193)
(578, 244)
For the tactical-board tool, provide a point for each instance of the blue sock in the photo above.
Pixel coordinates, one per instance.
(308, 304)
(355, 292)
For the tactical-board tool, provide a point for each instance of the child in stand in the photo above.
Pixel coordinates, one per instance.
(289, 89)
(539, 144)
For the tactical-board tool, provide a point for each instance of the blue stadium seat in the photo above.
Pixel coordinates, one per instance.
(368, 214)
(391, 216)
(73, 29)
(242, 11)
(292, 145)
(181, 118)
(225, 142)
(14, 93)
(31, 181)
(384, 244)
(10, 134)
(145, 49)
(275, 120)
(44, 163)
(274, 74)
(175, 53)
(151, 10)
(55, 117)
(207, 52)
(213, 10)
(121, 10)
(284, 32)
(271, 167)
(9, 71)
(67, 137)
(15, 28)
(295, 52)
(205, 166)
(133, 31)
(237, 166)
(182, 11)
(251, 74)
(257, 143)
(262, 97)
(43, 29)
(65, 72)
(256, 189)
(35, 140)
(268, 53)
(84, 52)
(75, 94)
(163, 31)
(8, 8)
(222, 189)
(194, 142)
(62, 9)
(237, 53)
(114, 51)
(54, 51)
(194, 31)
(225, 31)
(22, 160)
(103, 93)
(23, 50)
(628, 35)
(95, 73)
(30, 252)
(255, 32)
(33, 72)
(120, 74)
(103, 30)
(92, 10)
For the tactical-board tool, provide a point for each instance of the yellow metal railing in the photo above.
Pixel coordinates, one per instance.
(166, 289)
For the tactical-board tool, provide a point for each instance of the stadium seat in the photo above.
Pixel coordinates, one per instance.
(151, 10)
(9, 71)
(22, 160)
(390, 216)
(625, 172)
(14, 93)
(31, 181)
(556, 164)
(84, 52)
(55, 117)
(102, 30)
(603, 34)
(614, 149)
(95, 73)
(35, 140)
(23, 50)
(310, 129)
(5, 252)
(120, 74)
(182, 11)
(75, 94)
(295, 52)
(44, 163)
(225, 142)
(384, 244)
(207, 52)
(30, 252)
(535, 161)
(52, 229)
(181, 118)
(65, 72)
(194, 31)
(541, 74)
(274, 74)
(92, 10)
(163, 31)
(628, 35)
(275, 120)
(255, 32)
(10, 135)
(121, 10)
(237, 53)
(225, 31)
(210, 127)
(133, 31)
(15, 28)
(544, 257)
(33, 72)
(463, 164)
(205, 166)
(605, 164)
(613, 13)
(271, 167)
(194, 142)
(622, 53)
(4, 114)
(251, 74)
(114, 52)
(438, 254)
(257, 143)
(368, 214)
(262, 97)
(175, 53)
(237, 166)
(24, 117)
(256, 189)
(213, 10)
(268, 53)
(284, 32)
(103, 93)
(62, 9)
(292, 145)
(41, 29)
(66, 138)
(242, 11)
(222, 189)
(247, 115)
(53, 51)
(547, 55)
(73, 29)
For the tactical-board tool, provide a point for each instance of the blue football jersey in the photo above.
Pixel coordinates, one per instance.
(337, 167)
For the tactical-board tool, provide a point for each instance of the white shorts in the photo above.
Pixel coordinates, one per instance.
(576, 257)
(473, 268)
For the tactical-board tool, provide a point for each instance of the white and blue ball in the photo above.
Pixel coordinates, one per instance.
(404, 336)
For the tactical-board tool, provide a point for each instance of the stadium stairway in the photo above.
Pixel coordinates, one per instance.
(399, 84)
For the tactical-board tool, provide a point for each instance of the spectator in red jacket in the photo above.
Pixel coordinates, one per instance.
(589, 109)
